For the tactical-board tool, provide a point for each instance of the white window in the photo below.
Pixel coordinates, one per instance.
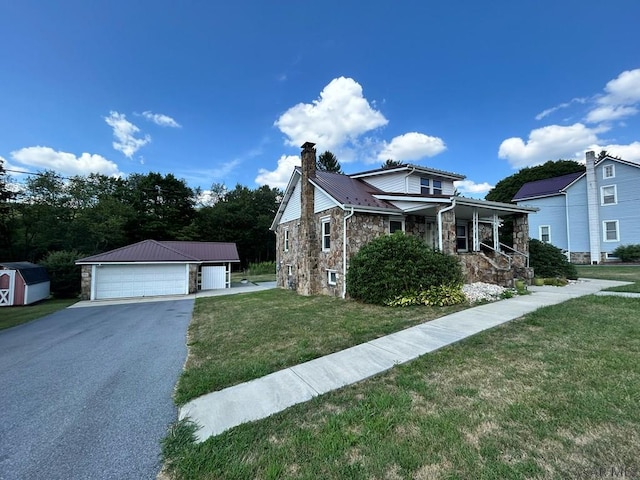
(437, 187)
(326, 233)
(608, 171)
(424, 186)
(289, 270)
(608, 195)
(332, 277)
(544, 233)
(396, 224)
(610, 231)
(286, 239)
(461, 238)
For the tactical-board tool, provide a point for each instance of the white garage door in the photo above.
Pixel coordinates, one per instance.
(122, 281)
(214, 278)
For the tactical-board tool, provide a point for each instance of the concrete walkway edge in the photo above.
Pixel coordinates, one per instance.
(224, 409)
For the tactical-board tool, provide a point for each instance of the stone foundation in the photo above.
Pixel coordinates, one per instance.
(85, 282)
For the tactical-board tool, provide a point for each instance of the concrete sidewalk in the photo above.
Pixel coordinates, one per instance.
(256, 399)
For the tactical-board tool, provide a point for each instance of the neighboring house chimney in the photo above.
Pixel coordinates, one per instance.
(593, 207)
(310, 246)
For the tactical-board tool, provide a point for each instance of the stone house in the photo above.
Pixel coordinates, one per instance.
(325, 218)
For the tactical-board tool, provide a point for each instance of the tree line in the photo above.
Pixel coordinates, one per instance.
(95, 213)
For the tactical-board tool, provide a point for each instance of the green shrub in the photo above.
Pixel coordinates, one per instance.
(63, 273)
(436, 296)
(392, 266)
(628, 253)
(549, 261)
(262, 268)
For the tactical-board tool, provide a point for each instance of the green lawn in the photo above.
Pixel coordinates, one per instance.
(629, 273)
(12, 316)
(237, 338)
(554, 394)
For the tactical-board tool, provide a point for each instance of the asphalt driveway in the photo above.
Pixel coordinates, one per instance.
(85, 393)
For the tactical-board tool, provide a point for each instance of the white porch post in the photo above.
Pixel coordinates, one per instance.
(476, 233)
(496, 236)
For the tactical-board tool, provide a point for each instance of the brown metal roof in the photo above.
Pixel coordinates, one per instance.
(350, 191)
(154, 251)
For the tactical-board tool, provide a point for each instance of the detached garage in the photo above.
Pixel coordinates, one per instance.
(152, 268)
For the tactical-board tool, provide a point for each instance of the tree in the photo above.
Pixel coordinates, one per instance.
(328, 162)
(390, 163)
(506, 188)
(6, 214)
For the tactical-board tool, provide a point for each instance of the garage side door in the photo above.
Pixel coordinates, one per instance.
(214, 277)
(123, 281)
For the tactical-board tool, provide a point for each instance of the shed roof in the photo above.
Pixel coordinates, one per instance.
(546, 187)
(168, 251)
(30, 272)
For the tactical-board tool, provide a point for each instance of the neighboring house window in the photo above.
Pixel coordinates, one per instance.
(544, 233)
(424, 186)
(396, 225)
(326, 233)
(610, 231)
(608, 171)
(437, 187)
(461, 238)
(608, 195)
(332, 277)
(286, 239)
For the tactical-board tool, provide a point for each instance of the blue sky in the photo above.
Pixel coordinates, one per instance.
(226, 92)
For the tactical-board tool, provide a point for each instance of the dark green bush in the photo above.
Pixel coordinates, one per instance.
(628, 253)
(391, 266)
(549, 261)
(63, 273)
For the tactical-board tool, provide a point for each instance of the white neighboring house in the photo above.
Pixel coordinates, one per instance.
(587, 214)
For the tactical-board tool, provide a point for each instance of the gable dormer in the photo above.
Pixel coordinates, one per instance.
(412, 180)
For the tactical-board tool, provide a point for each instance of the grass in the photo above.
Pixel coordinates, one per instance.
(237, 338)
(236, 277)
(551, 395)
(629, 273)
(12, 316)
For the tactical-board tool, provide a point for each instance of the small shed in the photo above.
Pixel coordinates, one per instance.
(154, 268)
(22, 283)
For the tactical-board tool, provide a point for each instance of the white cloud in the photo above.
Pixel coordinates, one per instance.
(161, 119)
(340, 115)
(472, 188)
(549, 143)
(551, 110)
(279, 177)
(610, 112)
(412, 146)
(621, 94)
(125, 133)
(630, 152)
(64, 163)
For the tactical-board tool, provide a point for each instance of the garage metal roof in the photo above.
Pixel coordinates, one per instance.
(155, 251)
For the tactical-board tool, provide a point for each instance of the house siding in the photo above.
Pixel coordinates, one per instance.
(393, 182)
(555, 218)
(293, 209)
(322, 202)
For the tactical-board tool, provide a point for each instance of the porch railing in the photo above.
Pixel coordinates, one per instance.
(499, 252)
(506, 255)
(526, 257)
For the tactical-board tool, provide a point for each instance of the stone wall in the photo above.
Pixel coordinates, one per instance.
(584, 258)
(520, 239)
(449, 232)
(193, 278)
(85, 282)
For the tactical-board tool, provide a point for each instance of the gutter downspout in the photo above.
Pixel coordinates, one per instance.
(440, 212)
(406, 180)
(344, 252)
(566, 209)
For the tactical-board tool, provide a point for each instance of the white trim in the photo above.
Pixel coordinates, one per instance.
(286, 239)
(289, 270)
(604, 171)
(331, 273)
(325, 221)
(396, 219)
(604, 231)
(615, 195)
(466, 237)
(344, 252)
(540, 234)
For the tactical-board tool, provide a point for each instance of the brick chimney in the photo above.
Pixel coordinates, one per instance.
(310, 246)
(593, 206)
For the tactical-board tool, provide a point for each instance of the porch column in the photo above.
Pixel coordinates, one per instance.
(496, 233)
(476, 232)
(521, 236)
(448, 232)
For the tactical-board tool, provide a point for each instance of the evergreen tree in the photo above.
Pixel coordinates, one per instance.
(328, 162)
